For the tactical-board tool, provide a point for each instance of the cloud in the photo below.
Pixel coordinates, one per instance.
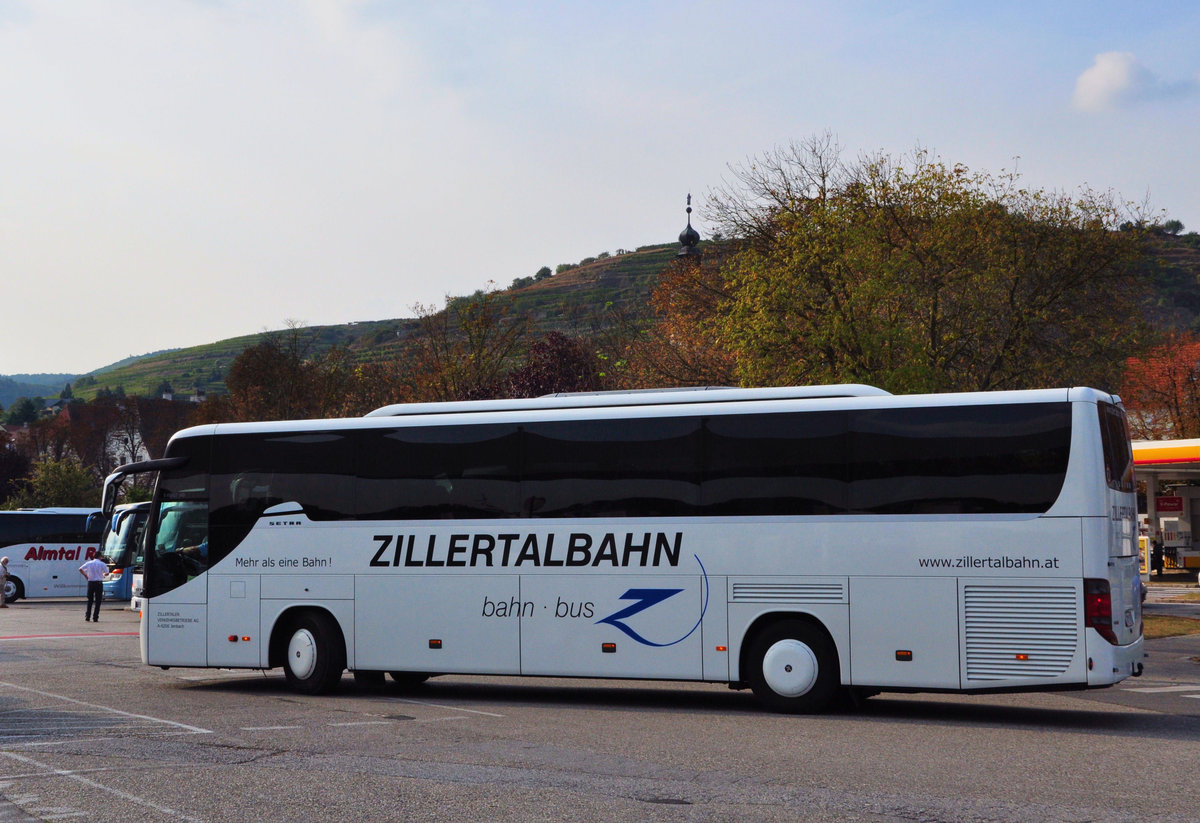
(1116, 79)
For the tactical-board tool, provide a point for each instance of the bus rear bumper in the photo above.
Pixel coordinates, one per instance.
(1108, 664)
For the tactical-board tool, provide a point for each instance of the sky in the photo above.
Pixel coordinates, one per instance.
(175, 172)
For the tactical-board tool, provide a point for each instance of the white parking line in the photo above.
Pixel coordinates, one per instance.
(70, 775)
(109, 709)
(363, 723)
(268, 728)
(440, 706)
(1163, 689)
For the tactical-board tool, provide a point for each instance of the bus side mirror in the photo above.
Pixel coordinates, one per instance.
(108, 502)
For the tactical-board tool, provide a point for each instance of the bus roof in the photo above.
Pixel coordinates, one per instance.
(635, 397)
(60, 510)
(644, 404)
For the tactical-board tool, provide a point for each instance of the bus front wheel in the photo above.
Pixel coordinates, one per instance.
(13, 589)
(315, 655)
(793, 668)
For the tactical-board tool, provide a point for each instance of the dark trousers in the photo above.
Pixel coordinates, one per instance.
(95, 595)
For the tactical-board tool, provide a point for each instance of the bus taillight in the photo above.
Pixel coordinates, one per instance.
(1097, 608)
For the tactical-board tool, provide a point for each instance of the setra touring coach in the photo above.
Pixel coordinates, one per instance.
(804, 542)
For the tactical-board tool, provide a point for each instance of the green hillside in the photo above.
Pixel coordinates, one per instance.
(567, 302)
(1173, 267)
(562, 302)
(14, 386)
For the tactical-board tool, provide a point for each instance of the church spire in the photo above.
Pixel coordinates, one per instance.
(689, 238)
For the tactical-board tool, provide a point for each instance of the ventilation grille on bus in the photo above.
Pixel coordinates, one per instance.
(1020, 631)
(831, 592)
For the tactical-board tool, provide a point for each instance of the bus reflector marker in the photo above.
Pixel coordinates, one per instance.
(233, 638)
(435, 644)
(722, 648)
(1022, 656)
(608, 648)
(904, 655)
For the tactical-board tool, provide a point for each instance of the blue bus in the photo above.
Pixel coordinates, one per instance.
(121, 548)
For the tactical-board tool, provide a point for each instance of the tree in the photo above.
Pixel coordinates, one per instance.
(281, 379)
(918, 276)
(1162, 389)
(555, 363)
(24, 410)
(679, 347)
(464, 350)
(157, 420)
(372, 385)
(47, 439)
(57, 483)
(92, 432)
(14, 466)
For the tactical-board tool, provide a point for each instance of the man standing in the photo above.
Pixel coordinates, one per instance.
(3, 581)
(93, 571)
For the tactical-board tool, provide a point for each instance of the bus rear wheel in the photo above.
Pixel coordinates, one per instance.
(315, 654)
(793, 668)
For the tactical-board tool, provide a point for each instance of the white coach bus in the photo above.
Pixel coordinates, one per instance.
(801, 542)
(45, 548)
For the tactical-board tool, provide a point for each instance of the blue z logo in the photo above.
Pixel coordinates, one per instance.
(644, 599)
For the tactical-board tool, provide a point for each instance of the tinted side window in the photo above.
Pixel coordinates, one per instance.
(642, 467)
(14, 528)
(253, 472)
(1118, 454)
(958, 459)
(775, 464)
(58, 528)
(438, 472)
(190, 481)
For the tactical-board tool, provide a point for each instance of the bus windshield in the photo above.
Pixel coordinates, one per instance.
(123, 538)
(181, 543)
(179, 548)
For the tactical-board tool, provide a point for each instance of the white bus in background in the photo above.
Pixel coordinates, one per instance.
(802, 542)
(45, 548)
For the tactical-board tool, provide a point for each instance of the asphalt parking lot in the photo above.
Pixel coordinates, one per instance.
(87, 731)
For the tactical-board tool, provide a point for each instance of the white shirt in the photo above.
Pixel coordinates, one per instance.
(95, 569)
